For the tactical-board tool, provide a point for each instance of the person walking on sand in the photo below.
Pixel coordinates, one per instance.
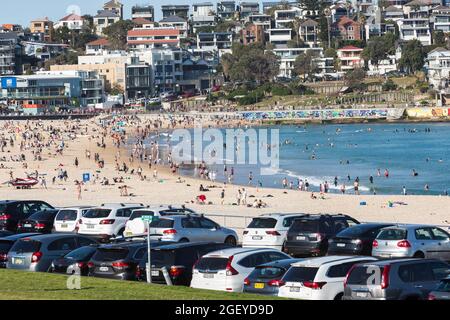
(244, 197)
(79, 189)
(404, 191)
(43, 183)
(343, 189)
(76, 162)
(222, 197)
(238, 197)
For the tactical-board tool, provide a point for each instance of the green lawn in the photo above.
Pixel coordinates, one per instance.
(18, 285)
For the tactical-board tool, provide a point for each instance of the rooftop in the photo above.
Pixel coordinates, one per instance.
(72, 17)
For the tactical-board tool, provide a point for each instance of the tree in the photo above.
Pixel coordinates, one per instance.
(305, 65)
(312, 5)
(413, 56)
(71, 57)
(323, 30)
(378, 48)
(117, 34)
(62, 35)
(439, 38)
(354, 79)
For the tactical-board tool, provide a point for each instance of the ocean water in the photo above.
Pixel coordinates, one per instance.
(320, 153)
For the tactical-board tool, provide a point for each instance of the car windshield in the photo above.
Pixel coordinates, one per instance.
(43, 215)
(138, 214)
(110, 254)
(97, 213)
(268, 272)
(300, 274)
(212, 264)
(162, 224)
(5, 245)
(361, 275)
(263, 223)
(66, 215)
(392, 234)
(355, 231)
(444, 286)
(26, 246)
(311, 226)
(81, 254)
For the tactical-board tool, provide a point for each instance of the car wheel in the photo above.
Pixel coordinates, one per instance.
(184, 240)
(340, 296)
(231, 241)
(419, 255)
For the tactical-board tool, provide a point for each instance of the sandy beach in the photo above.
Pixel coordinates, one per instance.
(85, 135)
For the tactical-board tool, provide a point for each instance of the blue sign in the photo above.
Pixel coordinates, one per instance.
(86, 177)
(9, 82)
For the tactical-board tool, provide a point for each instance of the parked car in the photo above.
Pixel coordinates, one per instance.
(226, 270)
(442, 292)
(187, 228)
(178, 259)
(418, 241)
(75, 261)
(12, 211)
(37, 253)
(107, 221)
(398, 279)
(120, 260)
(266, 278)
(356, 240)
(7, 243)
(67, 219)
(269, 231)
(41, 221)
(135, 226)
(319, 278)
(309, 235)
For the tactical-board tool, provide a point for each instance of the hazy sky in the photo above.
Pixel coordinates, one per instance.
(23, 11)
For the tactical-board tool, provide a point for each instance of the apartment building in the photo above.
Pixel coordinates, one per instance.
(416, 24)
(146, 12)
(226, 9)
(44, 27)
(203, 15)
(144, 39)
(181, 11)
(72, 22)
(350, 58)
(280, 37)
(284, 18)
(347, 29)
(440, 18)
(104, 19)
(9, 54)
(167, 68)
(215, 41)
(138, 79)
(246, 9)
(309, 32)
(253, 33)
(114, 6)
(288, 56)
(438, 68)
(98, 47)
(176, 22)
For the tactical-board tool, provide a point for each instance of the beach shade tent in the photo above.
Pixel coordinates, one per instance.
(201, 199)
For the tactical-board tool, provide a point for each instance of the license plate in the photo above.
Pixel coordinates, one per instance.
(104, 269)
(341, 245)
(18, 261)
(27, 225)
(90, 226)
(155, 273)
(257, 238)
(208, 276)
(64, 226)
(259, 285)
(295, 289)
(362, 294)
(301, 238)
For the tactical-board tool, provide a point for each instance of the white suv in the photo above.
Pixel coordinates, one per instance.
(107, 221)
(67, 219)
(136, 227)
(319, 278)
(226, 270)
(269, 230)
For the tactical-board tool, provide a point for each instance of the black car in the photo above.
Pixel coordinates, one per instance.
(356, 240)
(74, 261)
(266, 278)
(119, 260)
(12, 211)
(7, 243)
(41, 221)
(178, 259)
(309, 235)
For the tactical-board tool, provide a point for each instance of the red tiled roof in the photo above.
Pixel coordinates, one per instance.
(153, 32)
(152, 41)
(350, 48)
(72, 17)
(99, 42)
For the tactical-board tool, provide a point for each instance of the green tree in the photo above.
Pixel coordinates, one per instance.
(62, 35)
(439, 38)
(413, 56)
(323, 30)
(354, 79)
(304, 64)
(378, 48)
(117, 34)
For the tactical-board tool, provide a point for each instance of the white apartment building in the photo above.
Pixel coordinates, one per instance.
(280, 37)
(440, 17)
(284, 17)
(71, 21)
(416, 24)
(350, 58)
(287, 58)
(386, 65)
(203, 15)
(438, 68)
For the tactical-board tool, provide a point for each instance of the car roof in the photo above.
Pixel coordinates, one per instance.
(236, 251)
(318, 262)
(175, 246)
(410, 226)
(280, 215)
(18, 236)
(123, 244)
(119, 205)
(77, 208)
(15, 201)
(53, 236)
(400, 260)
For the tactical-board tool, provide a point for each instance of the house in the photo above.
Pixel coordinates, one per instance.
(181, 11)
(43, 50)
(416, 24)
(285, 17)
(226, 9)
(71, 21)
(114, 6)
(246, 9)
(138, 79)
(146, 12)
(309, 32)
(386, 65)
(263, 20)
(347, 29)
(9, 53)
(438, 68)
(440, 18)
(141, 23)
(220, 42)
(103, 19)
(288, 56)
(144, 39)
(252, 33)
(393, 13)
(43, 27)
(97, 47)
(176, 23)
(203, 15)
(280, 37)
(350, 58)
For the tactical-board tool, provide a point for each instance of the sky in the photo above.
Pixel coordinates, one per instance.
(23, 11)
